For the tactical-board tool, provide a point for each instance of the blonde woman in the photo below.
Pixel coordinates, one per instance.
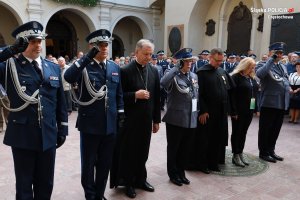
(295, 96)
(244, 98)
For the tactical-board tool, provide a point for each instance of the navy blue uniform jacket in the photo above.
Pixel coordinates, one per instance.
(23, 129)
(93, 119)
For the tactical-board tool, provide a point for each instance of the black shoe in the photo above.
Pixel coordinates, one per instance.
(204, 170)
(184, 180)
(146, 186)
(130, 192)
(267, 158)
(276, 157)
(176, 181)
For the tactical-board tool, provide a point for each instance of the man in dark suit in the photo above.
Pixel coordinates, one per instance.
(38, 120)
(141, 87)
(214, 101)
(100, 108)
(274, 101)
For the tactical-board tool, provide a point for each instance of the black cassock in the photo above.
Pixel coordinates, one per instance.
(132, 148)
(215, 99)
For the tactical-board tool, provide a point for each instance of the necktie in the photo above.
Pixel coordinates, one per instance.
(103, 67)
(35, 65)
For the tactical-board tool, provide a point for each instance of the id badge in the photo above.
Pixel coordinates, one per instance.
(252, 104)
(194, 105)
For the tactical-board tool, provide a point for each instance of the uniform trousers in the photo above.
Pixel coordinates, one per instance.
(34, 171)
(239, 131)
(68, 98)
(96, 159)
(270, 122)
(179, 148)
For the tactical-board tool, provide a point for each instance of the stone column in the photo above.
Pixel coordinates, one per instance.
(221, 31)
(253, 30)
(104, 17)
(35, 11)
(156, 27)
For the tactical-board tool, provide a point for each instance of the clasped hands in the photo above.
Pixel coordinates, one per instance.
(142, 94)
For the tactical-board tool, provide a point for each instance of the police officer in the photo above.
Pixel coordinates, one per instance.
(165, 66)
(100, 105)
(154, 64)
(160, 60)
(274, 101)
(37, 123)
(203, 59)
(231, 64)
(181, 116)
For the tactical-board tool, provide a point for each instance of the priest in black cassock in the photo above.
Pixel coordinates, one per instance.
(141, 88)
(215, 106)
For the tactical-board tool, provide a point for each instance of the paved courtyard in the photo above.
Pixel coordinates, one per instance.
(280, 181)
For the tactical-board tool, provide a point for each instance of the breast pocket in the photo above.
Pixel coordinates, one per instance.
(115, 79)
(54, 83)
(25, 79)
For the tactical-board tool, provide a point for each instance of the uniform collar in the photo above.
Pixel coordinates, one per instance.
(98, 62)
(38, 60)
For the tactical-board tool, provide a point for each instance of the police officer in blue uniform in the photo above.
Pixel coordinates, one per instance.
(101, 107)
(231, 63)
(165, 66)
(181, 116)
(38, 119)
(203, 59)
(274, 101)
(154, 64)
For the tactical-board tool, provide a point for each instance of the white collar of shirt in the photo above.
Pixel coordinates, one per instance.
(38, 60)
(98, 62)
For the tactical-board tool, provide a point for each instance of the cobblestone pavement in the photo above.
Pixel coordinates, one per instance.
(280, 181)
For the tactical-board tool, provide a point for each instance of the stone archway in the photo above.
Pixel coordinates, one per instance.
(239, 38)
(62, 37)
(117, 47)
(128, 31)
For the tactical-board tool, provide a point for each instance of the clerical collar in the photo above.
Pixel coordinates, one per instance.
(138, 65)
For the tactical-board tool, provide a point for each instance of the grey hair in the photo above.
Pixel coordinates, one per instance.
(216, 51)
(144, 42)
(61, 58)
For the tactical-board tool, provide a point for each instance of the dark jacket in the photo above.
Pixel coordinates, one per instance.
(93, 118)
(23, 129)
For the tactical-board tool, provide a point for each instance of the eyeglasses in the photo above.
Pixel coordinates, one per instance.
(216, 60)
